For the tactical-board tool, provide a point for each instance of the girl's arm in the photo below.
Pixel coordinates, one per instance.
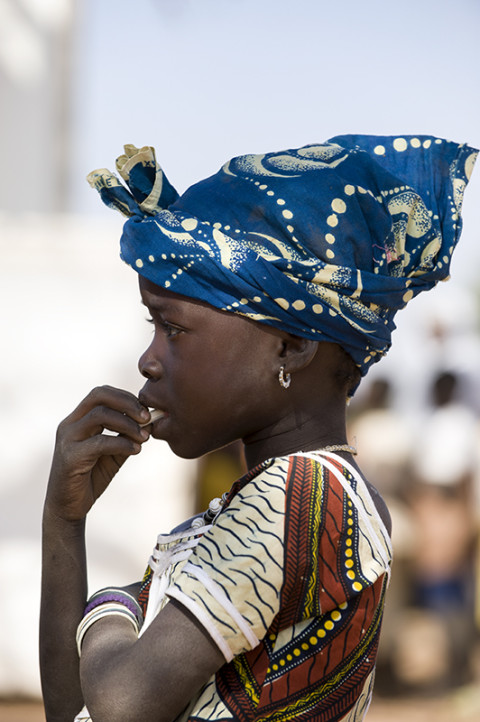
(150, 679)
(64, 590)
(84, 462)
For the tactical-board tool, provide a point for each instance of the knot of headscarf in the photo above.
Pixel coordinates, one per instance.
(327, 241)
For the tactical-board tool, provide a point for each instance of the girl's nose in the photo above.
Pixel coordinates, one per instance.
(149, 365)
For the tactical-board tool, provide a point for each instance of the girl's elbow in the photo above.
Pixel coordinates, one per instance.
(112, 707)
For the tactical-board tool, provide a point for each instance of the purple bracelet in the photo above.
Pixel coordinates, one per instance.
(110, 594)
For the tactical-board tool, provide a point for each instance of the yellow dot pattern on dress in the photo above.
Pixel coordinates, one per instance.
(351, 573)
(327, 624)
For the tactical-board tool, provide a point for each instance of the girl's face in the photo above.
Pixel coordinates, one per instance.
(212, 373)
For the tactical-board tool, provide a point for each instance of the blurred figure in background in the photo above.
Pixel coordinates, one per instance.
(429, 475)
(383, 436)
(384, 439)
(441, 498)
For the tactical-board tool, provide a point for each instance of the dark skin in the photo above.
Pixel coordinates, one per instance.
(202, 367)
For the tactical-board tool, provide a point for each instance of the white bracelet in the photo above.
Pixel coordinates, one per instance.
(104, 610)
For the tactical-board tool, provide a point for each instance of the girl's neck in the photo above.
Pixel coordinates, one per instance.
(307, 434)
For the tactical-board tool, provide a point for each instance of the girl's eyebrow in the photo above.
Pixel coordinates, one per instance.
(163, 306)
(159, 305)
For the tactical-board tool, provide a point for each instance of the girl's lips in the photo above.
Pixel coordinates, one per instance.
(155, 414)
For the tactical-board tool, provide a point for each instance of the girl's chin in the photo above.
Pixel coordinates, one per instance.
(185, 450)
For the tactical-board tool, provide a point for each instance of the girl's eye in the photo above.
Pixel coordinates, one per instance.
(168, 329)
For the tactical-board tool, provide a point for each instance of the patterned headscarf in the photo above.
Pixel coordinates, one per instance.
(327, 241)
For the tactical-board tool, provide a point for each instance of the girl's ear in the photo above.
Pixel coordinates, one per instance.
(296, 352)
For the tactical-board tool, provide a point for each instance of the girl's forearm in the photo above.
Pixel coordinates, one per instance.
(64, 590)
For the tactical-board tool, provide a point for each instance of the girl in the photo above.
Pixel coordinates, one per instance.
(271, 288)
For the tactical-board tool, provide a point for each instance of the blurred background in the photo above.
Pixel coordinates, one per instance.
(202, 81)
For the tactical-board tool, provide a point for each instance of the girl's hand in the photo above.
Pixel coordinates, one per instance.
(85, 460)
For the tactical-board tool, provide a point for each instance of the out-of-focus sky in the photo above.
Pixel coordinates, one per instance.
(204, 80)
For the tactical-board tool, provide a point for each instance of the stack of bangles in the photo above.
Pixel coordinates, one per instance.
(109, 602)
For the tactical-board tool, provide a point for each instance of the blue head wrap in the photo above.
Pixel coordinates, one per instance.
(327, 241)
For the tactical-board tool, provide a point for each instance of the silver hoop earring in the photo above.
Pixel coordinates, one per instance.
(284, 379)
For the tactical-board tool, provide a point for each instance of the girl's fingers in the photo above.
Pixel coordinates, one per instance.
(79, 451)
(105, 445)
(112, 398)
(86, 456)
(101, 417)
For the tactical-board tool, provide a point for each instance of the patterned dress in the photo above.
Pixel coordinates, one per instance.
(289, 580)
